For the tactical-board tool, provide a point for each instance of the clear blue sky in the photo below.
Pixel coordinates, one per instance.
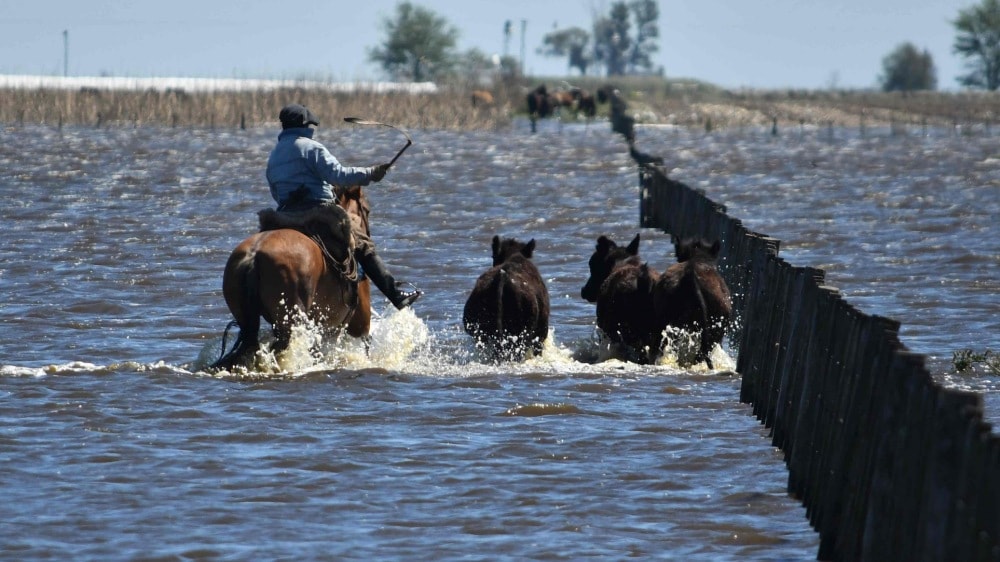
(732, 43)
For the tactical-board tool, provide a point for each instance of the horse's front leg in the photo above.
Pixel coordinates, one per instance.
(282, 338)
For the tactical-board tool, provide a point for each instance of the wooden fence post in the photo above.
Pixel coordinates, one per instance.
(888, 464)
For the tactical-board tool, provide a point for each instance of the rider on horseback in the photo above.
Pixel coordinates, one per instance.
(303, 174)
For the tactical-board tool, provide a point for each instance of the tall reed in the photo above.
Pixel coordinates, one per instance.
(451, 109)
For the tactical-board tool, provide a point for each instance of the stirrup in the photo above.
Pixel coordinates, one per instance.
(404, 300)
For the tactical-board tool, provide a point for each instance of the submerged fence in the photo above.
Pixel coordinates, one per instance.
(889, 464)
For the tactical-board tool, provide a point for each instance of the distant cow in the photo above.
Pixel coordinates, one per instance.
(563, 98)
(482, 98)
(540, 105)
(585, 102)
(605, 93)
(691, 296)
(507, 312)
(624, 308)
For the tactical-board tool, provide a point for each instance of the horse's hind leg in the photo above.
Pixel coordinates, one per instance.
(243, 351)
(705, 351)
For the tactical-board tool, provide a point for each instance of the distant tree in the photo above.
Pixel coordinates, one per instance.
(476, 67)
(978, 41)
(571, 43)
(419, 45)
(510, 67)
(614, 46)
(906, 69)
(646, 14)
(612, 41)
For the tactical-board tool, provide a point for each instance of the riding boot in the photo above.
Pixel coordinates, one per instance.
(375, 270)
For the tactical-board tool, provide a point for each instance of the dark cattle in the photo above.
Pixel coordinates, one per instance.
(540, 105)
(624, 307)
(691, 296)
(585, 102)
(507, 312)
(563, 98)
(606, 93)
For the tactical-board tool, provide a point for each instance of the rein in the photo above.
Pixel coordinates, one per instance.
(225, 336)
(346, 268)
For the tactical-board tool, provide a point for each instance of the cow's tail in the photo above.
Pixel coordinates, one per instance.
(705, 345)
(501, 281)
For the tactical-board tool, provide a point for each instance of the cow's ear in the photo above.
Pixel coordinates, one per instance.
(682, 250)
(496, 244)
(528, 248)
(633, 246)
(604, 244)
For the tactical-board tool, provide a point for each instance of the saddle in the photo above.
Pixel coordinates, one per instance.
(327, 225)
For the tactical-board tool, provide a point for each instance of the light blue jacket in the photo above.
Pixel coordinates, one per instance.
(298, 161)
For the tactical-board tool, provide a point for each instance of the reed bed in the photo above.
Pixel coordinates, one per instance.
(651, 100)
(229, 109)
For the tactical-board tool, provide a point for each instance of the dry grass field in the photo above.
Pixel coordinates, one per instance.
(650, 101)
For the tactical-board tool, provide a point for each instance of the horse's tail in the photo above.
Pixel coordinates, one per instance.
(250, 312)
(251, 299)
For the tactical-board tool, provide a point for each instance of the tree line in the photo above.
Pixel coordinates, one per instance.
(420, 45)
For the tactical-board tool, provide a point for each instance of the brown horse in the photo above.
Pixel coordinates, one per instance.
(507, 312)
(692, 296)
(285, 277)
(624, 306)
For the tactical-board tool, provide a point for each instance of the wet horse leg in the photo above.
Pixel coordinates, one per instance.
(290, 314)
(246, 346)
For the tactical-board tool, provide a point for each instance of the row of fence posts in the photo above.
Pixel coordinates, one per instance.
(889, 464)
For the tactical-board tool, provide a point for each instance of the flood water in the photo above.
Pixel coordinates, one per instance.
(117, 445)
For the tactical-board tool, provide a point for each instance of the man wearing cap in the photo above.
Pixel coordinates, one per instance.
(303, 174)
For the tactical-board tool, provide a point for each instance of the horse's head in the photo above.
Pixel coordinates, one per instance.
(353, 201)
(606, 257)
(509, 247)
(696, 249)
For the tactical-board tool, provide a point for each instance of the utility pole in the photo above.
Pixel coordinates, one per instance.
(524, 25)
(65, 52)
(506, 38)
